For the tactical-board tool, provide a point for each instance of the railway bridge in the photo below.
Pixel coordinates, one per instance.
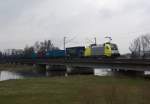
(85, 64)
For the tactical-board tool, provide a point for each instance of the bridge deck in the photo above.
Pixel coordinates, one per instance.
(125, 64)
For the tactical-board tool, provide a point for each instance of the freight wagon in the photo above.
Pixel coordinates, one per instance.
(55, 54)
(75, 51)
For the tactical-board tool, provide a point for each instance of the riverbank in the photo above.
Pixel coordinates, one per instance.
(75, 90)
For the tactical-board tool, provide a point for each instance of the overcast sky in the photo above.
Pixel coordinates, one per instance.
(26, 21)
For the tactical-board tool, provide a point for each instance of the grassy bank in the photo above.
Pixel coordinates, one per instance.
(75, 90)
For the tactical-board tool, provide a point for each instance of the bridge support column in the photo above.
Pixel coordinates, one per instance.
(40, 68)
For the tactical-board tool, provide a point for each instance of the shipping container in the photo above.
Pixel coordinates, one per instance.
(75, 51)
(33, 55)
(55, 53)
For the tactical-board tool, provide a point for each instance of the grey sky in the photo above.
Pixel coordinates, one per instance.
(26, 21)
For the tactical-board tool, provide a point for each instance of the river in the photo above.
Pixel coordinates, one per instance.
(9, 75)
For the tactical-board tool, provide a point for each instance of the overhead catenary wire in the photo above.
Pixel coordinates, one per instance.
(68, 41)
(92, 41)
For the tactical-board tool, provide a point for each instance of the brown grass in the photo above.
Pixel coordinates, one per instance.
(75, 90)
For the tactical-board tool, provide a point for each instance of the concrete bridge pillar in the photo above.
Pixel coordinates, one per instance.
(40, 68)
(69, 69)
(48, 68)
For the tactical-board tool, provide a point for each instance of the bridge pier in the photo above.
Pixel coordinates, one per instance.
(40, 68)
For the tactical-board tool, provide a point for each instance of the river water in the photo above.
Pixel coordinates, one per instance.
(103, 72)
(8, 75)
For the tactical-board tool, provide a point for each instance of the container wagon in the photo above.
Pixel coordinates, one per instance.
(75, 51)
(55, 54)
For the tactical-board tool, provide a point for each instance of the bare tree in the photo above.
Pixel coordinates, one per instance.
(37, 46)
(140, 46)
(40, 48)
(28, 51)
(45, 46)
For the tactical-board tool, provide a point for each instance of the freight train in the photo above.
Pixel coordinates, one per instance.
(106, 50)
(93, 51)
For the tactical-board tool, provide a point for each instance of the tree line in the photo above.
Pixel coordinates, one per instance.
(38, 48)
(140, 46)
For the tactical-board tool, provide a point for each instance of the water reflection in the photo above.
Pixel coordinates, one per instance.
(102, 72)
(6, 75)
(146, 72)
(109, 72)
